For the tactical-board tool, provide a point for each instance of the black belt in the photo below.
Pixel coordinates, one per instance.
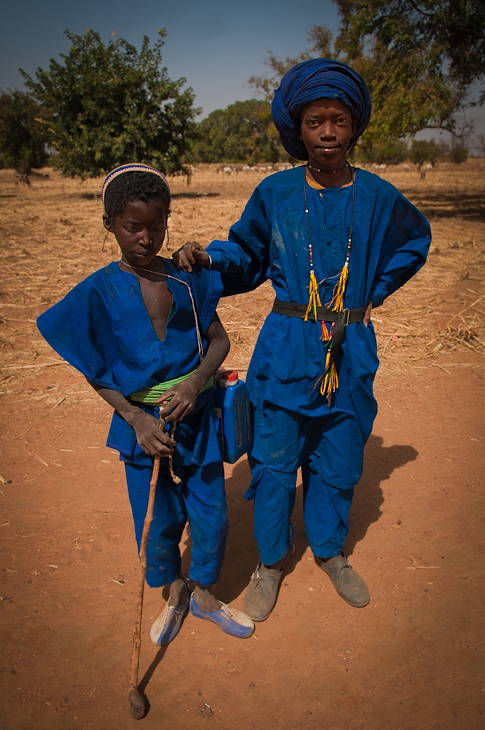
(292, 309)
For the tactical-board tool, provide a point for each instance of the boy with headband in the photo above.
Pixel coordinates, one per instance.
(335, 241)
(149, 341)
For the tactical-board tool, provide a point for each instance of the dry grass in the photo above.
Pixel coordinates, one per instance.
(53, 237)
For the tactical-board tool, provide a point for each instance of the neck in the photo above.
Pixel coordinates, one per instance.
(157, 267)
(327, 172)
(332, 178)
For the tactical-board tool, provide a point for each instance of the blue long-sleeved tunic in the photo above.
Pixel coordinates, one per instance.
(103, 329)
(390, 241)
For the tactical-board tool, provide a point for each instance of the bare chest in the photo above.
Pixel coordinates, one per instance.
(158, 302)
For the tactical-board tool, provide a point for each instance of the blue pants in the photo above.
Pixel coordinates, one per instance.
(329, 449)
(201, 499)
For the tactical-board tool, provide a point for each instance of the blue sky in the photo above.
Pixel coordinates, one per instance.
(215, 44)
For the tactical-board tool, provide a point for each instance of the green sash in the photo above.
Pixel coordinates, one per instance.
(152, 394)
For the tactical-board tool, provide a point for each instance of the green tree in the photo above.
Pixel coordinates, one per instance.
(23, 138)
(418, 57)
(451, 32)
(243, 132)
(427, 150)
(391, 152)
(106, 105)
(459, 154)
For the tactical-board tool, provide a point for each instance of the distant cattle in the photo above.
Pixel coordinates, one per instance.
(405, 167)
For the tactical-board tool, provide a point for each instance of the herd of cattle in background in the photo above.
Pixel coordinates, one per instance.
(261, 169)
(229, 169)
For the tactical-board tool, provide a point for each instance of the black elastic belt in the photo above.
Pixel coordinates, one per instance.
(292, 309)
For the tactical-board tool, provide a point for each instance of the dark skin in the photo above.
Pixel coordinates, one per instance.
(140, 232)
(327, 127)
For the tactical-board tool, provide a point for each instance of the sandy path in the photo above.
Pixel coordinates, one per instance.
(68, 576)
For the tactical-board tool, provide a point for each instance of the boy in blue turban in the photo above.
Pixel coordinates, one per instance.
(335, 241)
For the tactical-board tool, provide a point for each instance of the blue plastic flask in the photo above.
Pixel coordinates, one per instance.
(233, 408)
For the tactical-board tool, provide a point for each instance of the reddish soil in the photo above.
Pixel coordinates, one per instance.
(412, 659)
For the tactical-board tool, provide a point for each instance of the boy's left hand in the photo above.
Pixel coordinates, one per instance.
(179, 401)
(367, 314)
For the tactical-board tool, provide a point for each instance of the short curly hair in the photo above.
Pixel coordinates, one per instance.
(134, 186)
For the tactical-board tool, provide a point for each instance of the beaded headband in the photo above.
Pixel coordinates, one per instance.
(131, 167)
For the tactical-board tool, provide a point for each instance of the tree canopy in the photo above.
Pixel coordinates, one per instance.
(418, 57)
(451, 32)
(243, 132)
(22, 137)
(108, 104)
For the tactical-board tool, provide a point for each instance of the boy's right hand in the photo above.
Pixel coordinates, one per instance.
(191, 253)
(153, 440)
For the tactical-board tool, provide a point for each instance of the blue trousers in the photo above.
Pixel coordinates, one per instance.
(201, 499)
(329, 450)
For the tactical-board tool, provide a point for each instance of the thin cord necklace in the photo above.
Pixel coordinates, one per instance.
(329, 379)
(181, 281)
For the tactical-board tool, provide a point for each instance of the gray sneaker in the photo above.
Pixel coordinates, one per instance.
(262, 591)
(348, 584)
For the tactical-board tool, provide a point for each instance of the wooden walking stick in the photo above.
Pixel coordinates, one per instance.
(137, 704)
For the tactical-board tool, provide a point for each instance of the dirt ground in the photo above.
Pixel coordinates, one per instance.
(412, 659)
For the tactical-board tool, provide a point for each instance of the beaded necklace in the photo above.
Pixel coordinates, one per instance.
(327, 172)
(329, 379)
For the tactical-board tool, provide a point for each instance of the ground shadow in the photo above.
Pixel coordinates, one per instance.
(193, 194)
(379, 463)
(242, 553)
(145, 680)
(449, 205)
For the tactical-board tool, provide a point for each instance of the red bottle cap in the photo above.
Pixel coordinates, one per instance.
(231, 376)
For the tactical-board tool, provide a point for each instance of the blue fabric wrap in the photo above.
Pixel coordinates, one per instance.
(390, 244)
(103, 329)
(294, 425)
(317, 79)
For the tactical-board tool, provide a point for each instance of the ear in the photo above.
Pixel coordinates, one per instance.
(107, 223)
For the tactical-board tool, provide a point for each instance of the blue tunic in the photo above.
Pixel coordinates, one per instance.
(103, 329)
(294, 426)
(389, 245)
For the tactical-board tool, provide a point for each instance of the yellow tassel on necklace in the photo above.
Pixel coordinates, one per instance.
(336, 304)
(328, 382)
(313, 298)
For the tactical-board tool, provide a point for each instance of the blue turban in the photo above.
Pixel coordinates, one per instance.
(317, 79)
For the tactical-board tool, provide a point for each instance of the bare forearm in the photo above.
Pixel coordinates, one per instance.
(219, 346)
(117, 400)
(150, 437)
